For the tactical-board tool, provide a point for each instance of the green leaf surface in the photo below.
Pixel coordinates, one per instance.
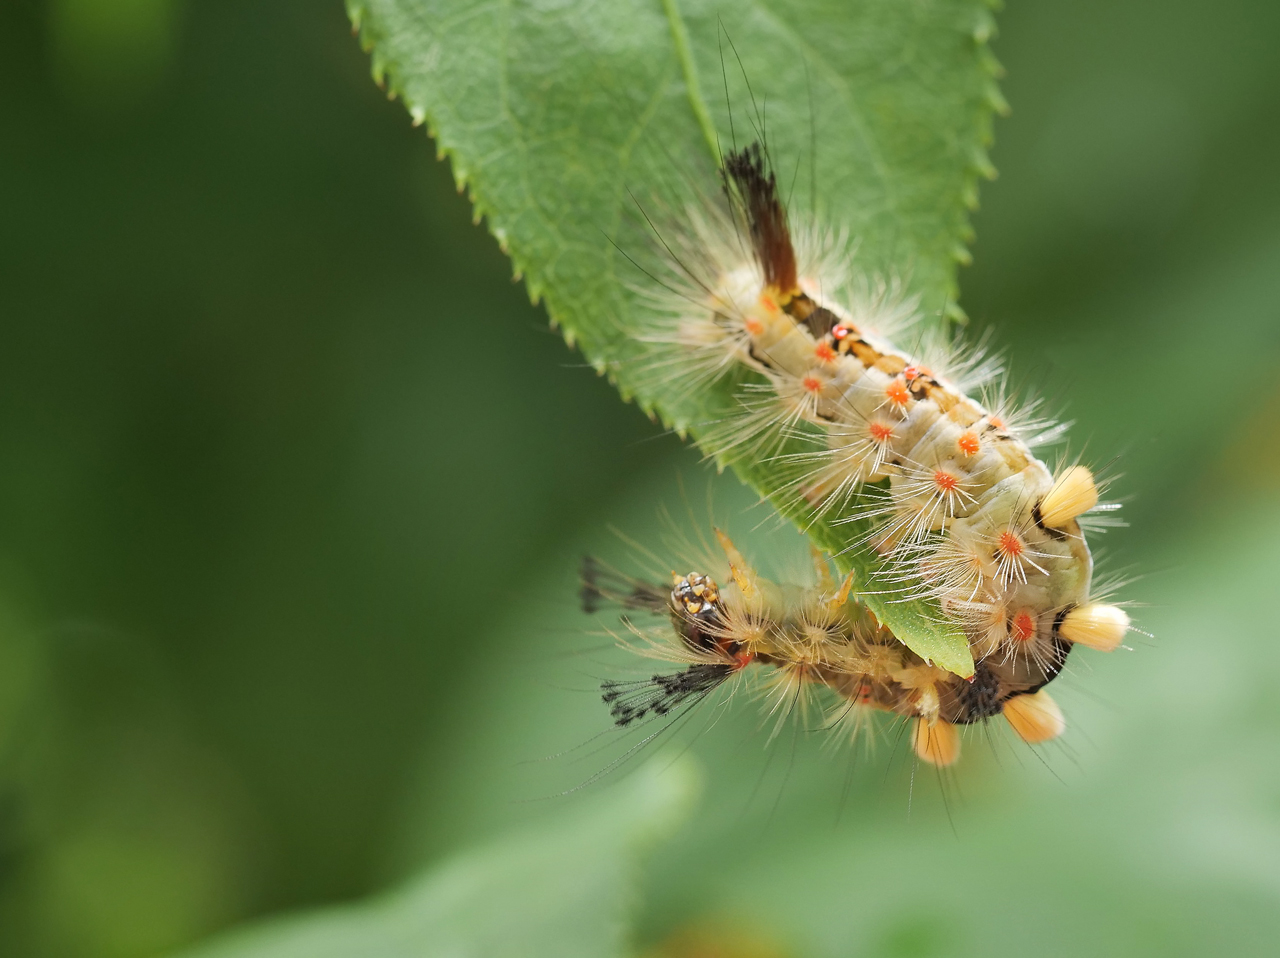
(552, 892)
(556, 117)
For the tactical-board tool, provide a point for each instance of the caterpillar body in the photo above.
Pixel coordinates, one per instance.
(958, 504)
(804, 638)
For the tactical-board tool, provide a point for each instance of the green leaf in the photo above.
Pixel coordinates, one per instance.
(553, 892)
(556, 115)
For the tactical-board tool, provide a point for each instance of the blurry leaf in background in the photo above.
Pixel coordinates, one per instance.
(123, 834)
(563, 890)
(109, 52)
(1128, 251)
(713, 939)
(1117, 155)
(1250, 463)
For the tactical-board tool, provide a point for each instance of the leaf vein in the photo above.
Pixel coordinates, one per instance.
(680, 38)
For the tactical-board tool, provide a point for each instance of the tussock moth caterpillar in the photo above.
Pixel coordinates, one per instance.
(951, 493)
(796, 639)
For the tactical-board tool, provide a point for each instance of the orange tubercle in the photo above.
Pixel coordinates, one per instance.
(1008, 543)
(753, 326)
(898, 393)
(880, 432)
(768, 303)
(945, 481)
(968, 443)
(1023, 626)
(811, 383)
(824, 352)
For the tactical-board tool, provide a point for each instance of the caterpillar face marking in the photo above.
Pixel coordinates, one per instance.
(696, 611)
(958, 504)
(822, 639)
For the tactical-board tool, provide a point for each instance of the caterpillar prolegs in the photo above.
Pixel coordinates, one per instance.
(959, 506)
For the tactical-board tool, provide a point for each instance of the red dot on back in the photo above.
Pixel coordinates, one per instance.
(1009, 544)
(898, 393)
(1023, 626)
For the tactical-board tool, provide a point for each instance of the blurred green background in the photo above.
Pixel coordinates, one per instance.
(293, 481)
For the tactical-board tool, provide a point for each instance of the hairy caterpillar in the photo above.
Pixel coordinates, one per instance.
(957, 502)
(805, 638)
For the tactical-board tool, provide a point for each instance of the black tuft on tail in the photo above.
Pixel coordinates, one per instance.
(753, 188)
(603, 586)
(592, 597)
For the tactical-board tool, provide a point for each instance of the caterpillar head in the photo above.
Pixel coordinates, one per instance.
(697, 612)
